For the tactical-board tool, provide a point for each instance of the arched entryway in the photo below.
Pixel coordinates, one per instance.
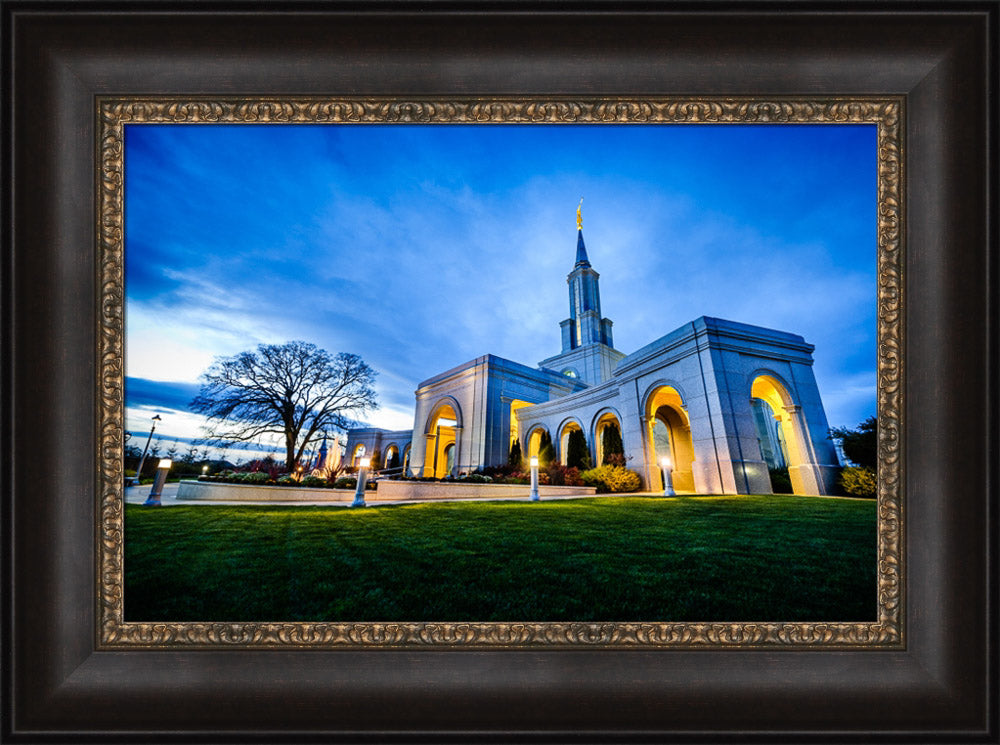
(607, 433)
(515, 427)
(391, 457)
(534, 440)
(565, 432)
(443, 427)
(779, 432)
(669, 436)
(406, 460)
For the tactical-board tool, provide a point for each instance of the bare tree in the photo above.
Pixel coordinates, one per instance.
(294, 390)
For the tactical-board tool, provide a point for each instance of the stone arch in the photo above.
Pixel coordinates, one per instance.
(357, 454)
(443, 428)
(532, 439)
(390, 449)
(405, 460)
(784, 390)
(786, 440)
(601, 419)
(668, 435)
(652, 388)
(443, 402)
(565, 428)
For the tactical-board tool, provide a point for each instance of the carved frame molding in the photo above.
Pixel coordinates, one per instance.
(113, 113)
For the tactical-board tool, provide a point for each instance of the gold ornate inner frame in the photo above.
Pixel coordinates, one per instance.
(114, 113)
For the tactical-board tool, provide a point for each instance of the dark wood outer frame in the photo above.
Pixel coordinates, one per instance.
(115, 114)
(57, 686)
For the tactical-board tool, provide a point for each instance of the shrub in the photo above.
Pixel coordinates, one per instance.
(615, 459)
(564, 475)
(346, 482)
(515, 477)
(476, 478)
(611, 445)
(577, 454)
(287, 480)
(781, 482)
(612, 479)
(546, 451)
(266, 465)
(858, 482)
(514, 459)
(313, 481)
(256, 477)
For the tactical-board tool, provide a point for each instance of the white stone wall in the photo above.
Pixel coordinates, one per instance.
(710, 363)
(374, 438)
(480, 392)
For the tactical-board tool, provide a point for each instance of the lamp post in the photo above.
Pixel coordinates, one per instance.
(534, 479)
(204, 470)
(668, 481)
(161, 478)
(359, 493)
(138, 472)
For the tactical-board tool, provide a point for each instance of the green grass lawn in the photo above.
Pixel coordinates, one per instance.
(747, 558)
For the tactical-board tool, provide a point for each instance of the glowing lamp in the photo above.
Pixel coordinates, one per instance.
(533, 495)
(204, 469)
(359, 491)
(668, 480)
(161, 478)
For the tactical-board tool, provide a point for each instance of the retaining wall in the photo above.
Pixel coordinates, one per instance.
(388, 491)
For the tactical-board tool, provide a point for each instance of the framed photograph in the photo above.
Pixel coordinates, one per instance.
(818, 186)
(731, 408)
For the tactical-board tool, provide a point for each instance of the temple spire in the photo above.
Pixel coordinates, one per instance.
(581, 249)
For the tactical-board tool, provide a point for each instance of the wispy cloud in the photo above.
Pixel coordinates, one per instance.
(422, 247)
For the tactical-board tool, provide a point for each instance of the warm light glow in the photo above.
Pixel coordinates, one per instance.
(534, 462)
(515, 430)
(665, 462)
(365, 462)
(165, 463)
(442, 433)
(204, 469)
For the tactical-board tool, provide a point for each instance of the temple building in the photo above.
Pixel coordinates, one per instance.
(724, 401)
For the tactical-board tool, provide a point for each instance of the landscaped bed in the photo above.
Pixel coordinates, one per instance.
(741, 558)
(387, 491)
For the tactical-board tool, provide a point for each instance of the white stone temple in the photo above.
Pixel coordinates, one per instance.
(724, 401)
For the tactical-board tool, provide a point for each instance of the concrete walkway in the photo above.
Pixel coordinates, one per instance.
(139, 494)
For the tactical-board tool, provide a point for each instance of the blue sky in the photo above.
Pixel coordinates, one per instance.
(421, 247)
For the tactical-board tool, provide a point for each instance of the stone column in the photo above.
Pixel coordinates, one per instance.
(805, 474)
(431, 438)
(651, 469)
(458, 451)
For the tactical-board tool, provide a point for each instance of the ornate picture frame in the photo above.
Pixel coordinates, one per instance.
(887, 114)
(72, 671)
